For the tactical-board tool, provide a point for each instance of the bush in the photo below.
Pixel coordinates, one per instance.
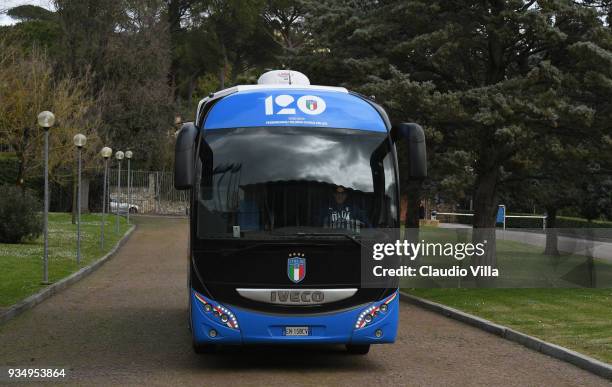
(562, 222)
(9, 167)
(571, 222)
(20, 216)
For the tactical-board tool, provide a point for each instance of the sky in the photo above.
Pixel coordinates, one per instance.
(7, 4)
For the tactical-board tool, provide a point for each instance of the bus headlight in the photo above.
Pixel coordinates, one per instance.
(369, 315)
(218, 311)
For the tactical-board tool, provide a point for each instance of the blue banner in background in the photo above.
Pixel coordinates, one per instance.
(289, 107)
(501, 214)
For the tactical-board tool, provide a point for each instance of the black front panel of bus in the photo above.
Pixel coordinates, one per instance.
(219, 270)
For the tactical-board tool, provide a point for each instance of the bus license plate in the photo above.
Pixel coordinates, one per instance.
(297, 331)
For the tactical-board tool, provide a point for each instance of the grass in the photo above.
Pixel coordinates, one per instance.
(21, 265)
(579, 319)
(520, 265)
(554, 306)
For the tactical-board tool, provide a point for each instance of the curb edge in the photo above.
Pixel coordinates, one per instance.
(36, 298)
(567, 355)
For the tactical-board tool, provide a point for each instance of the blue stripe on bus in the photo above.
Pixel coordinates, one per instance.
(282, 107)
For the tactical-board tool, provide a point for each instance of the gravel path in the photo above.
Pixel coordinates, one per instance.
(126, 324)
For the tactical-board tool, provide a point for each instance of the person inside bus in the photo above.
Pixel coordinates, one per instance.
(341, 214)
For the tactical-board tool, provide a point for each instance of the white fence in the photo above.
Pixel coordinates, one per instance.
(434, 214)
(150, 192)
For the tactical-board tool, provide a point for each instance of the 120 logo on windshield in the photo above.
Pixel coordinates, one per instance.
(284, 104)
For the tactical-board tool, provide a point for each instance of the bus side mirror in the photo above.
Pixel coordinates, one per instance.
(184, 152)
(414, 135)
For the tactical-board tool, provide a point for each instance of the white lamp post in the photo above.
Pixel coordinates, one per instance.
(128, 156)
(79, 141)
(106, 153)
(119, 157)
(46, 120)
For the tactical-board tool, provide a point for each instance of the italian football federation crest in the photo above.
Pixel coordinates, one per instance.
(296, 267)
(311, 104)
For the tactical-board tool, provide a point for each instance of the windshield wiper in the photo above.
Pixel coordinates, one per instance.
(352, 238)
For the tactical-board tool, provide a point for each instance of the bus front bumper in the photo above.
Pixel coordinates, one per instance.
(372, 323)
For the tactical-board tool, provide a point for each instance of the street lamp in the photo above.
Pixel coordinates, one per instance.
(119, 157)
(106, 153)
(79, 141)
(128, 156)
(46, 120)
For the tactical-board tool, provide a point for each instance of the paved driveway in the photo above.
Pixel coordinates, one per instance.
(126, 324)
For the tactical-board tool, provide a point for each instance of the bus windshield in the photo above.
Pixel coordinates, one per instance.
(271, 181)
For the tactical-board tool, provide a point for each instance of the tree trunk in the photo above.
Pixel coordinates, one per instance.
(411, 224)
(496, 66)
(20, 171)
(412, 204)
(236, 68)
(485, 209)
(21, 156)
(174, 23)
(190, 89)
(222, 78)
(551, 232)
(223, 67)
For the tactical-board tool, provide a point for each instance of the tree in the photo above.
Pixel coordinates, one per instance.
(285, 23)
(216, 44)
(37, 26)
(27, 87)
(30, 13)
(239, 30)
(177, 12)
(195, 51)
(125, 45)
(487, 77)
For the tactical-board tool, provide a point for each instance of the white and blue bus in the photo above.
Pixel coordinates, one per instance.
(284, 176)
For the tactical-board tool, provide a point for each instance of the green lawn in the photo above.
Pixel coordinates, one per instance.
(21, 265)
(520, 266)
(579, 319)
(553, 304)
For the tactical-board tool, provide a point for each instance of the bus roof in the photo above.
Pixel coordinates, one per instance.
(291, 105)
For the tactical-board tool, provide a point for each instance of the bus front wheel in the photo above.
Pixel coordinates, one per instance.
(358, 349)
